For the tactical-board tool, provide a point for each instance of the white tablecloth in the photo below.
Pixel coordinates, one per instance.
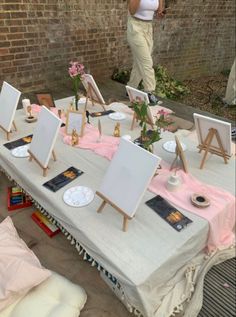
(155, 266)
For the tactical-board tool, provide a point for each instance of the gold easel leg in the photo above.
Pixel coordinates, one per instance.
(8, 136)
(101, 206)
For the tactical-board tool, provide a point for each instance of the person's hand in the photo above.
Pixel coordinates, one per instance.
(161, 13)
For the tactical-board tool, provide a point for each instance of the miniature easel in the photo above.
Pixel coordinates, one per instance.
(89, 95)
(8, 132)
(135, 117)
(32, 156)
(107, 201)
(179, 154)
(208, 147)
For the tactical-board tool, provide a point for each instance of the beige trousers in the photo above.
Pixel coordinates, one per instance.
(140, 39)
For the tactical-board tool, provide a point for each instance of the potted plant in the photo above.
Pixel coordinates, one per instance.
(162, 122)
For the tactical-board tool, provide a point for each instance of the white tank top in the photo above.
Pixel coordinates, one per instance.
(146, 9)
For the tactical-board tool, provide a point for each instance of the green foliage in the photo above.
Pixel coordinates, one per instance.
(166, 86)
(122, 76)
(162, 121)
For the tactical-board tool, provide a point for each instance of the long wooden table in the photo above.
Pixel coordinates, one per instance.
(152, 268)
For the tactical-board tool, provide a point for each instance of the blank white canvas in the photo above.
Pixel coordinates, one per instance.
(9, 98)
(204, 123)
(87, 78)
(128, 176)
(141, 95)
(75, 121)
(44, 136)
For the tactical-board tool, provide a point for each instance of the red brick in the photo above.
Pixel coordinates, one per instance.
(42, 36)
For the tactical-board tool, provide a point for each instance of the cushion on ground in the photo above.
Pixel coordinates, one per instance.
(55, 297)
(20, 269)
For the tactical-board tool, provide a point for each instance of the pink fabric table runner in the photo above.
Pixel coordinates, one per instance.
(221, 212)
(105, 147)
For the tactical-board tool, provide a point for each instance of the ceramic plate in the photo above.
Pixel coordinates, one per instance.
(21, 151)
(78, 196)
(170, 146)
(117, 116)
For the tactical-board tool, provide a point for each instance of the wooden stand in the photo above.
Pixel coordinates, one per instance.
(135, 118)
(179, 154)
(8, 132)
(89, 95)
(107, 201)
(37, 161)
(208, 147)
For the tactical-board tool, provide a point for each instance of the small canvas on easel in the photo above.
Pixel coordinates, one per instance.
(9, 98)
(214, 136)
(92, 91)
(179, 154)
(126, 179)
(44, 138)
(134, 95)
(75, 120)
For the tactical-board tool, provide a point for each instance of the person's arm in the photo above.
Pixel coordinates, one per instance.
(161, 8)
(133, 6)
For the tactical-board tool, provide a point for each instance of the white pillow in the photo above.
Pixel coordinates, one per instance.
(55, 297)
(20, 269)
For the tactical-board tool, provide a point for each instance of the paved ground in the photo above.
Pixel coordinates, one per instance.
(57, 254)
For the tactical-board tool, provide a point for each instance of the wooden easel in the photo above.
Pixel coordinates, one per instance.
(89, 95)
(135, 118)
(107, 201)
(32, 156)
(179, 154)
(208, 147)
(8, 132)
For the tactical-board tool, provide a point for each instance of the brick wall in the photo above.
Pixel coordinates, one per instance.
(39, 37)
(196, 37)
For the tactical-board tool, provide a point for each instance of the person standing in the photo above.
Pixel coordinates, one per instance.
(140, 39)
(230, 94)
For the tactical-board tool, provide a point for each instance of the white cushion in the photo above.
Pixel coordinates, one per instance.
(55, 297)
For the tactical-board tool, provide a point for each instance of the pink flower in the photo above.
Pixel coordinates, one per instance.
(76, 69)
(163, 113)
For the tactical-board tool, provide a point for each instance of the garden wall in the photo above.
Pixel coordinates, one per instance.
(38, 38)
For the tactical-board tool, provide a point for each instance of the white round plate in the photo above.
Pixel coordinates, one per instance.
(21, 151)
(78, 196)
(117, 116)
(170, 146)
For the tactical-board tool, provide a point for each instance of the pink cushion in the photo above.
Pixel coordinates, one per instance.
(20, 269)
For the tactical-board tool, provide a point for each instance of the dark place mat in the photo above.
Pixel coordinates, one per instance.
(101, 113)
(63, 179)
(19, 142)
(169, 213)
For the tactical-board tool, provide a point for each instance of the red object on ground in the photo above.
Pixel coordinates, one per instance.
(25, 200)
